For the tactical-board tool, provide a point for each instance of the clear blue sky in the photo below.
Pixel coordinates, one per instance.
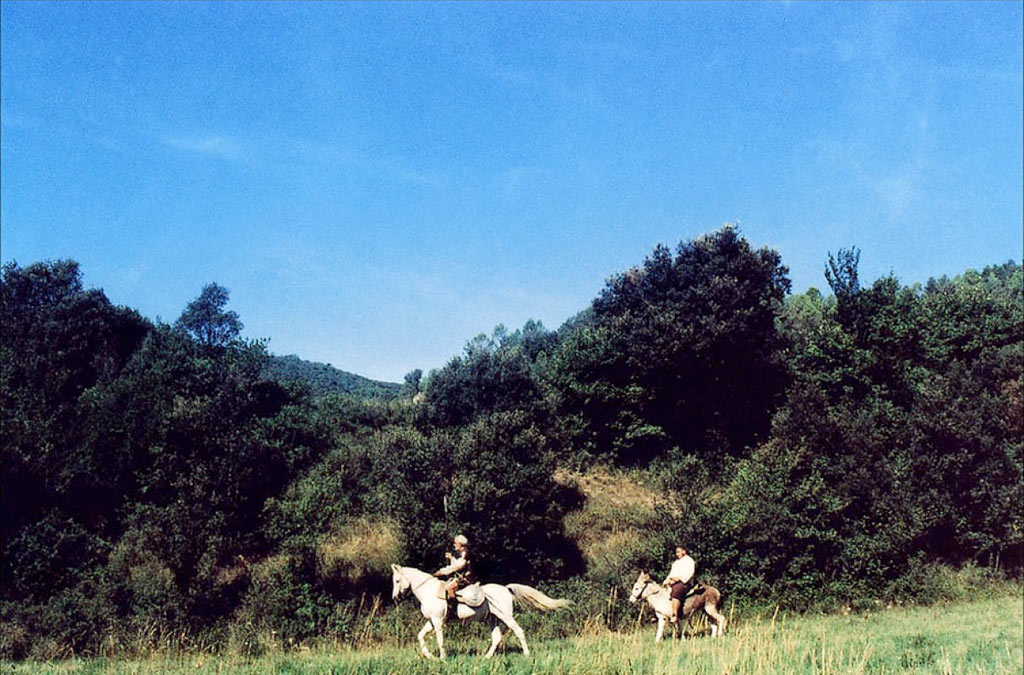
(376, 183)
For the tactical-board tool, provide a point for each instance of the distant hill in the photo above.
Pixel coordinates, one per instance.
(323, 379)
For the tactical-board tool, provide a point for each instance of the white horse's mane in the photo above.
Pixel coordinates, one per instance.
(415, 576)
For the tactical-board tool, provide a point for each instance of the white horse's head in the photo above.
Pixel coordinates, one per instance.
(639, 586)
(399, 584)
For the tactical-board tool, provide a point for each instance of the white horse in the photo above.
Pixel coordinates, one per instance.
(497, 603)
(660, 600)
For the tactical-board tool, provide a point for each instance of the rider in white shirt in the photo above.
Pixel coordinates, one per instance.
(680, 579)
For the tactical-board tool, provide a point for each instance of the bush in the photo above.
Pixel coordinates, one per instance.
(285, 602)
(928, 582)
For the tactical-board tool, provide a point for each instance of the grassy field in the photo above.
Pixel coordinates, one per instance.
(983, 636)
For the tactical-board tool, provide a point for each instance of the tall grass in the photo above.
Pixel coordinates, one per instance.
(979, 636)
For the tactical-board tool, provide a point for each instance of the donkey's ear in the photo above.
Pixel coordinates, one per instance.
(394, 568)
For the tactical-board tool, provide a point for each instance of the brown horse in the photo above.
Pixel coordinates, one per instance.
(659, 598)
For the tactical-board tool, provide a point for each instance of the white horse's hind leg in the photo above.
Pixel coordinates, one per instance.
(423, 634)
(495, 640)
(517, 629)
(501, 607)
(718, 628)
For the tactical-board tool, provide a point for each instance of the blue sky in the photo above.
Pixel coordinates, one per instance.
(376, 183)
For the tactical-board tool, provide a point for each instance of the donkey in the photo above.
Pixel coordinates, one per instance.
(659, 598)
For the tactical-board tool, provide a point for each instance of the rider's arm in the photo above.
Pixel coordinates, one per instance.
(457, 564)
(669, 579)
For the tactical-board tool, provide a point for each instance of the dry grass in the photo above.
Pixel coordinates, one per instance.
(362, 547)
(616, 489)
(617, 506)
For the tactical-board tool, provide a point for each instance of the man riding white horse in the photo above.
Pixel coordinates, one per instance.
(494, 601)
(459, 569)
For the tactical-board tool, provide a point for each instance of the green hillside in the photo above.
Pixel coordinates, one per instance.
(324, 379)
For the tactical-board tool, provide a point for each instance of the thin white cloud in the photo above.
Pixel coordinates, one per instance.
(501, 71)
(379, 164)
(402, 171)
(898, 194)
(515, 181)
(210, 146)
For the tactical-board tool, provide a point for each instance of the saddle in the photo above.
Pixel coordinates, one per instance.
(472, 595)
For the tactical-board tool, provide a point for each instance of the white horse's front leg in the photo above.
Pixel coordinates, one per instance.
(423, 634)
(495, 639)
(661, 629)
(438, 631)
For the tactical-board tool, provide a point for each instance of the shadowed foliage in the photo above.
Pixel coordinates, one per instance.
(175, 482)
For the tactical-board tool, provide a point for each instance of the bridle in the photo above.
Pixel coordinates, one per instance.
(412, 588)
(646, 592)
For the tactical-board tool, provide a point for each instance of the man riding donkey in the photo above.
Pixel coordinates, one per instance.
(459, 570)
(680, 580)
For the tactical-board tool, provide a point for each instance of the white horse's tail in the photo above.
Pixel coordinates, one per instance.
(534, 598)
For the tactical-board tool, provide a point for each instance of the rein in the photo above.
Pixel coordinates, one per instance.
(644, 594)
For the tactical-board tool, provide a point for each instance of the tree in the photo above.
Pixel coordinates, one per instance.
(411, 384)
(206, 320)
(61, 346)
(841, 274)
(495, 373)
(681, 352)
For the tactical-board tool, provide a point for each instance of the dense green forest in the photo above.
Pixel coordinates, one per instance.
(324, 379)
(812, 450)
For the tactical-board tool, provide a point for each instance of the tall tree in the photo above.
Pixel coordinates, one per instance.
(60, 346)
(681, 352)
(841, 274)
(206, 320)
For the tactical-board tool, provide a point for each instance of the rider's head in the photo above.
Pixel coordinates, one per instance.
(680, 551)
(461, 542)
